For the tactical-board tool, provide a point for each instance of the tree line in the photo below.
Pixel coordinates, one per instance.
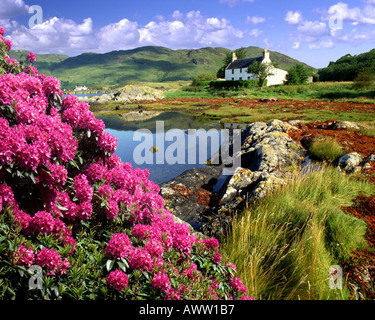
(350, 68)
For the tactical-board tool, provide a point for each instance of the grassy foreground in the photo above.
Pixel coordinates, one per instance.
(284, 245)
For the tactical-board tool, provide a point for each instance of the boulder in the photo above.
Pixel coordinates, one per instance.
(269, 183)
(350, 162)
(269, 99)
(241, 179)
(345, 125)
(127, 94)
(189, 195)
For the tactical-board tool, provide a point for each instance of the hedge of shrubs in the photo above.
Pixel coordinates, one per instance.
(234, 84)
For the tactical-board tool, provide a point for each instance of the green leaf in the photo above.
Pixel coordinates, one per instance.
(74, 164)
(85, 224)
(19, 174)
(121, 265)
(32, 177)
(61, 207)
(109, 264)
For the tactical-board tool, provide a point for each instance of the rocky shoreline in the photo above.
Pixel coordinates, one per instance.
(127, 94)
(268, 159)
(207, 200)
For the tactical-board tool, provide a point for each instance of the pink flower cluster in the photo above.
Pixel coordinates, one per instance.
(23, 256)
(119, 246)
(161, 281)
(52, 261)
(82, 188)
(31, 57)
(236, 284)
(118, 280)
(65, 160)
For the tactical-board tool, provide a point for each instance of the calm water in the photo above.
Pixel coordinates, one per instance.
(176, 125)
(85, 94)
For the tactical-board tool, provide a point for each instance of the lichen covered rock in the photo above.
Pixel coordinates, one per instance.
(350, 162)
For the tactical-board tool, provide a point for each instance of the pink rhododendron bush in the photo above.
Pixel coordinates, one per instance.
(78, 223)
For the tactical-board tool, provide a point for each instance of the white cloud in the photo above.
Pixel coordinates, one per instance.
(338, 24)
(256, 33)
(121, 35)
(190, 30)
(267, 43)
(296, 44)
(354, 15)
(255, 20)
(55, 35)
(293, 17)
(327, 44)
(12, 8)
(313, 28)
(232, 3)
(182, 30)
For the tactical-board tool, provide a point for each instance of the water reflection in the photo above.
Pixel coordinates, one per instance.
(124, 126)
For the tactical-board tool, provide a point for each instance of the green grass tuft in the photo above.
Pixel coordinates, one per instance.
(284, 245)
(326, 150)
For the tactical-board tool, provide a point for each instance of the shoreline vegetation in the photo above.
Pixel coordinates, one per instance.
(97, 229)
(286, 244)
(308, 102)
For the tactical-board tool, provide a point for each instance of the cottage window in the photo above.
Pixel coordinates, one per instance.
(232, 71)
(240, 70)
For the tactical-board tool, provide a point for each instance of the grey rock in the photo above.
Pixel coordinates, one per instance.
(350, 162)
(183, 195)
(345, 125)
(269, 99)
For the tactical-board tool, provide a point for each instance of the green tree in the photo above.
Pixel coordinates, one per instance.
(202, 77)
(348, 67)
(297, 75)
(364, 79)
(261, 70)
(240, 53)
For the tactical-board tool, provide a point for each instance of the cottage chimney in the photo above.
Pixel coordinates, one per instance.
(266, 56)
(234, 57)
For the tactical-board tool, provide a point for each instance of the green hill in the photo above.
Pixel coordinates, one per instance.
(144, 64)
(348, 67)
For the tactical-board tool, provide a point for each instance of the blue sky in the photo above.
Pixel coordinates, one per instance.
(315, 32)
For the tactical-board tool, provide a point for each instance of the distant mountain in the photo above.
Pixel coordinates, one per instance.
(144, 64)
(44, 61)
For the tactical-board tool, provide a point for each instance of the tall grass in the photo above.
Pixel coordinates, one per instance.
(284, 245)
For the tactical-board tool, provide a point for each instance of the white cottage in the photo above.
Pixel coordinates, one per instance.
(237, 69)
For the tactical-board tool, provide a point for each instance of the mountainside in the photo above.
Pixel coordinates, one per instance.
(144, 64)
(348, 67)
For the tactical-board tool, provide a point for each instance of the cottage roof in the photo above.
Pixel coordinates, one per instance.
(243, 63)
